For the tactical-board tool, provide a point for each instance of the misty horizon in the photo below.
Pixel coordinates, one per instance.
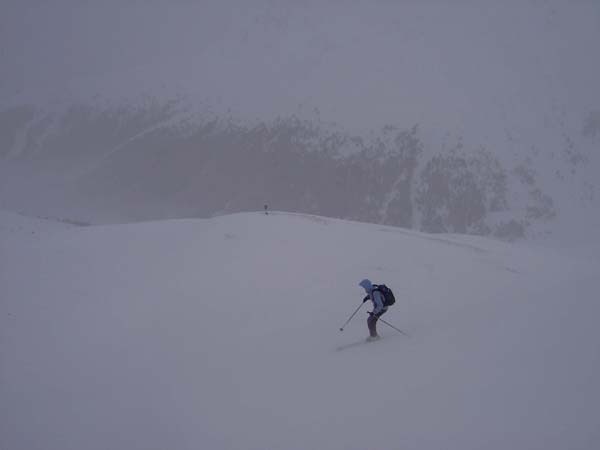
(92, 95)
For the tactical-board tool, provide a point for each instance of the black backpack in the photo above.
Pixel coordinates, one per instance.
(388, 295)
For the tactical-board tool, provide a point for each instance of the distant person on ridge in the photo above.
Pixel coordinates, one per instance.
(380, 306)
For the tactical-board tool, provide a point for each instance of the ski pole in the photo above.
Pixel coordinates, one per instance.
(390, 325)
(353, 314)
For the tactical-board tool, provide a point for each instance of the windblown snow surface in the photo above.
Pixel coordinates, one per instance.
(223, 333)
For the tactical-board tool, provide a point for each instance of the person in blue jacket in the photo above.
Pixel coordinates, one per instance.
(379, 307)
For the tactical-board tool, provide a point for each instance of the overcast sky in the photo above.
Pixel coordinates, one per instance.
(434, 61)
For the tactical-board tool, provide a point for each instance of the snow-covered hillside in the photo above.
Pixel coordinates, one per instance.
(224, 334)
(462, 117)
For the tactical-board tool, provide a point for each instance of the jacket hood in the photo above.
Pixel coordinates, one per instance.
(366, 285)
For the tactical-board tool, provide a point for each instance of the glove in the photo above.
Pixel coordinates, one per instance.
(366, 298)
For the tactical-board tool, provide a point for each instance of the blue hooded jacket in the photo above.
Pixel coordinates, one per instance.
(375, 296)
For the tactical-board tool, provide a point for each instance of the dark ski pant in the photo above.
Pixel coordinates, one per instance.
(372, 322)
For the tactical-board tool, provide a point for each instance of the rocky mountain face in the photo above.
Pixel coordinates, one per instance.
(457, 117)
(158, 159)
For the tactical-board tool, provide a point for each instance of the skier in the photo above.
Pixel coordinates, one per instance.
(379, 308)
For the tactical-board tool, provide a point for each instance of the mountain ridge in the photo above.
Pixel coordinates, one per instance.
(166, 159)
(463, 117)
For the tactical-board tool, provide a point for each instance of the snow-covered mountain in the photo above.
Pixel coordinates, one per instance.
(469, 117)
(224, 334)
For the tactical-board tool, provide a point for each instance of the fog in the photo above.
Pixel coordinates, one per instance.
(447, 63)
(516, 80)
(450, 149)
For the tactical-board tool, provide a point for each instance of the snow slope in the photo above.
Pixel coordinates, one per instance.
(224, 334)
